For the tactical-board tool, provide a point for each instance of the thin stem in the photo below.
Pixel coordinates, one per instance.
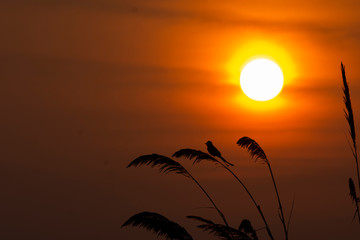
(357, 171)
(357, 209)
(282, 218)
(213, 203)
(291, 211)
(357, 168)
(253, 200)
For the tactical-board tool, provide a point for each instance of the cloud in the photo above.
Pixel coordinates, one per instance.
(289, 17)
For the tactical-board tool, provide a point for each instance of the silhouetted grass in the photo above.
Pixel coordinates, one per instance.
(245, 230)
(258, 153)
(158, 224)
(163, 227)
(349, 115)
(199, 156)
(168, 165)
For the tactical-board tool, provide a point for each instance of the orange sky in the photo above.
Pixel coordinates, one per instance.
(87, 86)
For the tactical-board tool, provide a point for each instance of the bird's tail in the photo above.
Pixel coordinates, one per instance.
(226, 161)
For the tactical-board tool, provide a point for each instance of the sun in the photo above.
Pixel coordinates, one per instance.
(261, 79)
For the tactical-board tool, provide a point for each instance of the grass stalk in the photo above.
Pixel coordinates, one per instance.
(258, 153)
(210, 199)
(349, 115)
(282, 217)
(253, 200)
(168, 165)
(200, 156)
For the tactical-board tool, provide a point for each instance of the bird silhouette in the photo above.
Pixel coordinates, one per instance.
(216, 153)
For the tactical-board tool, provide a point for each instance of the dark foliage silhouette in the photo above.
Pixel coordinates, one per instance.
(167, 165)
(199, 156)
(245, 231)
(253, 148)
(354, 197)
(225, 232)
(246, 227)
(258, 153)
(219, 230)
(350, 120)
(216, 153)
(158, 224)
(353, 194)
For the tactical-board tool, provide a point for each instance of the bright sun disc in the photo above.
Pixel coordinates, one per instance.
(261, 79)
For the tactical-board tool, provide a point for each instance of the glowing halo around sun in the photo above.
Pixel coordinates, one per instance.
(261, 79)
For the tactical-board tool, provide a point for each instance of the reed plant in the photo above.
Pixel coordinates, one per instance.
(349, 115)
(167, 165)
(158, 224)
(258, 153)
(245, 231)
(164, 227)
(199, 156)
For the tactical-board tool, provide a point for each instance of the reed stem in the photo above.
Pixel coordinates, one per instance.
(282, 218)
(213, 203)
(253, 200)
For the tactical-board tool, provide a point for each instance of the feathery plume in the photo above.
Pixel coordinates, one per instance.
(158, 224)
(197, 155)
(253, 148)
(166, 164)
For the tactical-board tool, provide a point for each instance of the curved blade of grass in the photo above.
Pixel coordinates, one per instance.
(167, 165)
(253, 148)
(195, 155)
(159, 225)
(247, 228)
(258, 153)
(219, 230)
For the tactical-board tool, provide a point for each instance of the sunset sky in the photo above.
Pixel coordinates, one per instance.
(89, 85)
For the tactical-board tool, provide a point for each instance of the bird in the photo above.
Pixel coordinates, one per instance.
(216, 153)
